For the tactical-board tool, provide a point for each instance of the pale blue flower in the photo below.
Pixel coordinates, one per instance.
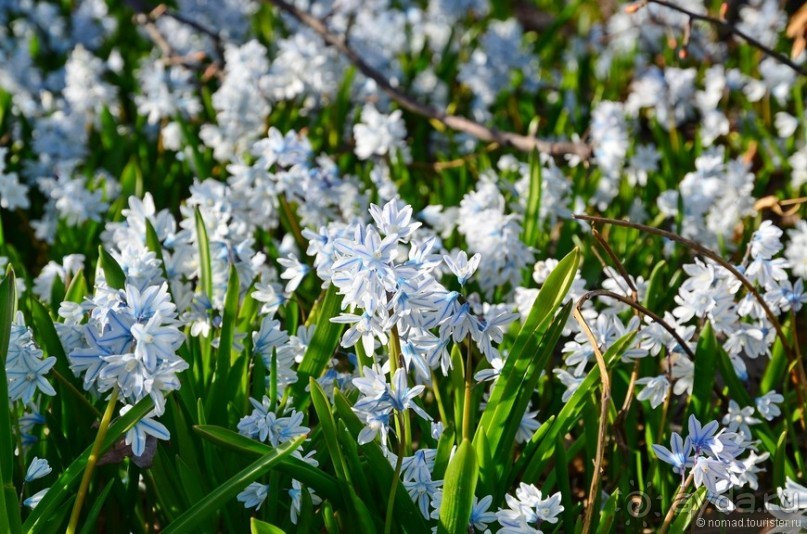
(39, 468)
(296, 494)
(480, 516)
(34, 499)
(402, 397)
(680, 455)
(137, 435)
(254, 495)
(461, 266)
(394, 220)
(28, 376)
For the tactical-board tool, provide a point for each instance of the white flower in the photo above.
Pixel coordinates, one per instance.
(656, 389)
(39, 468)
(378, 134)
(740, 418)
(461, 266)
(767, 405)
(254, 495)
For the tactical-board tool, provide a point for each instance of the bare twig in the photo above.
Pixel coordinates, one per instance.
(793, 350)
(680, 496)
(635, 305)
(454, 122)
(619, 267)
(147, 17)
(605, 399)
(728, 27)
(218, 43)
(606, 383)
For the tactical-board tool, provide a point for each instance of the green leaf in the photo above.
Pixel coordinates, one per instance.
(533, 211)
(205, 268)
(221, 394)
(328, 426)
(154, 245)
(406, 513)
(458, 490)
(569, 414)
(47, 335)
(113, 274)
(525, 390)
(323, 344)
(95, 511)
(77, 289)
(9, 509)
(776, 369)
(323, 483)
(62, 488)
(516, 372)
(229, 489)
(706, 358)
(444, 447)
(608, 513)
(687, 512)
(779, 461)
(257, 526)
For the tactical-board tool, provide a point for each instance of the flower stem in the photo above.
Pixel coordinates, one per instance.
(466, 408)
(395, 478)
(677, 499)
(91, 461)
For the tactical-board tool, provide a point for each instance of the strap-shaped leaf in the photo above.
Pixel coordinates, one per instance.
(323, 344)
(63, 487)
(9, 510)
(515, 373)
(458, 490)
(205, 267)
(113, 273)
(226, 491)
(323, 483)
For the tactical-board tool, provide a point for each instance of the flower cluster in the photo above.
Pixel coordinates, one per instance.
(26, 368)
(130, 346)
(711, 457)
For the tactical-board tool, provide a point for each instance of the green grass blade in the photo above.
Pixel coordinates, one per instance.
(216, 402)
(323, 483)
(323, 344)
(328, 426)
(706, 358)
(95, 511)
(113, 274)
(570, 412)
(63, 487)
(406, 513)
(458, 490)
(506, 390)
(205, 268)
(200, 511)
(9, 511)
(533, 211)
(257, 526)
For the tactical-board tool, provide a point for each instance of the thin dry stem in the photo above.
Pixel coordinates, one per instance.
(728, 27)
(605, 398)
(461, 124)
(793, 350)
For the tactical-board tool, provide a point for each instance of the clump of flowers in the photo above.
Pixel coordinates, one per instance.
(130, 347)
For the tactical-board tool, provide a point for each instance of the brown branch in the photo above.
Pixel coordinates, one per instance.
(454, 122)
(147, 17)
(793, 351)
(635, 305)
(218, 43)
(728, 27)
